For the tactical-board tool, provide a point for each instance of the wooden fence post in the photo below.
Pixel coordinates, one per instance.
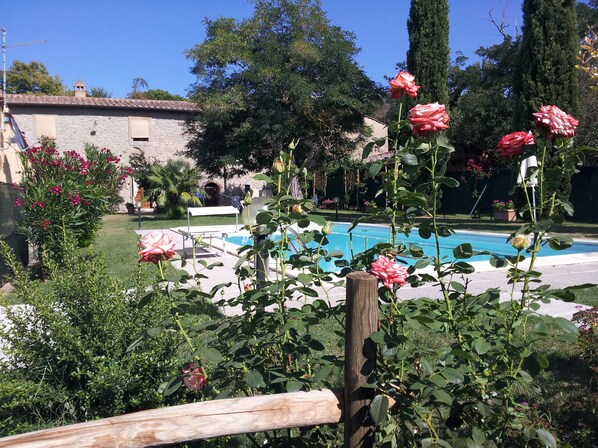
(360, 358)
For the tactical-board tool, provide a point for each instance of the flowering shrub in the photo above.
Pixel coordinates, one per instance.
(557, 156)
(67, 193)
(473, 388)
(503, 205)
(587, 321)
(476, 170)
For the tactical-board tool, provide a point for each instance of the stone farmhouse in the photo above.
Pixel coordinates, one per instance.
(122, 125)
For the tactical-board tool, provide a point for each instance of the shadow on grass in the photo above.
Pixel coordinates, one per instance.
(571, 399)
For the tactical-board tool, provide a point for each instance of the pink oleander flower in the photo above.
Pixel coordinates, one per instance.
(555, 121)
(37, 204)
(18, 202)
(55, 190)
(426, 118)
(512, 144)
(389, 272)
(194, 377)
(403, 84)
(156, 246)
(74, 198)
(44, 224)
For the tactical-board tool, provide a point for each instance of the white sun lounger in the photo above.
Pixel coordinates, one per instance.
(192, 232)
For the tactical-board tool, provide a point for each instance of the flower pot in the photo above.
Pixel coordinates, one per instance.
(505, 215)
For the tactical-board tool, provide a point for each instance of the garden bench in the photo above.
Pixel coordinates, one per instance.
(220, 231)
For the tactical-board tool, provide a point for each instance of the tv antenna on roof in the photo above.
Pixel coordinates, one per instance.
(4, 47)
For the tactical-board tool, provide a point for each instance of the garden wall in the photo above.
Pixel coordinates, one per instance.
(584, 195)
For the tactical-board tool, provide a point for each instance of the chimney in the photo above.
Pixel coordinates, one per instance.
(80, 91)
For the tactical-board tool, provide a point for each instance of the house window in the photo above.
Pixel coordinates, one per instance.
(139, 129)
(44, 126)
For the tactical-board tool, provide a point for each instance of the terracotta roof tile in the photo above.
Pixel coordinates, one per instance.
(116, 103)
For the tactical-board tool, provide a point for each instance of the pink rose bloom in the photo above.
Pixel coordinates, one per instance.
(156, 246)
(512, 144)
(389, 272)
(403, 84)
(194, 377)
(557, 122)
(426, 118)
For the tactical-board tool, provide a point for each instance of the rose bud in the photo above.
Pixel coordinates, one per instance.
(278, 166)
(327, 228)
(520, 242)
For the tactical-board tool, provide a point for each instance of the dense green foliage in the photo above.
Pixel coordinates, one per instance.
(283, 74)
(481, 100)
(32, 78)
(66, 356)
(428, 55)
(545, 71)
(159, 94)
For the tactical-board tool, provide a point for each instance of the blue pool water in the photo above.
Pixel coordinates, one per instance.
(365, 236)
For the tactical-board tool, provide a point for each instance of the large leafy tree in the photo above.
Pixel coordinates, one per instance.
(545, 72)
(481, 98)
(283, 74)
(32, 78)
(428, 54)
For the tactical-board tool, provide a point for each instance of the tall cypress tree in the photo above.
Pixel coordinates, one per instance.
(545, 73)
(428, 54)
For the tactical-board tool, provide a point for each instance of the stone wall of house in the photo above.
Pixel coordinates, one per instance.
(108, 128)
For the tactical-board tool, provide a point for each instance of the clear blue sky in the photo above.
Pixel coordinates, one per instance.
(108, 43)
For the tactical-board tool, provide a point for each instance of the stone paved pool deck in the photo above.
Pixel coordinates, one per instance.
(558, 272)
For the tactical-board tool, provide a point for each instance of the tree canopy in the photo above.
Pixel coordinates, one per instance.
(285, 73)
(32, 78)
(545, 72)
(428, 55)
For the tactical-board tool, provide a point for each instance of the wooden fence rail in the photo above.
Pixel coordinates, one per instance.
(216, 418)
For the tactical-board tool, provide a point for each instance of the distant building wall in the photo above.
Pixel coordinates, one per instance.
(107, 128)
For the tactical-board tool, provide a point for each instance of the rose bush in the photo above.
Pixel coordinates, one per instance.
(67, 192)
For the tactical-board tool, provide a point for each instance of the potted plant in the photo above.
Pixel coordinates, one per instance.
(504, 210)
(369, 206)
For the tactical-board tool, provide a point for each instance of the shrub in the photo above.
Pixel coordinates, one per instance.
(67, 193)
(69, 342)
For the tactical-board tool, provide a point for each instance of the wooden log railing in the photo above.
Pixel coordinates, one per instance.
(217, 418)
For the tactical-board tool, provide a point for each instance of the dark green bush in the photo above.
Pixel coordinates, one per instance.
(66, 348)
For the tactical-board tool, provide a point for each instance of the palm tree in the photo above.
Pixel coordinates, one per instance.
(175, 184)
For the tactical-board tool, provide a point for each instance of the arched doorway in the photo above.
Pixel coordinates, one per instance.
(213, 191)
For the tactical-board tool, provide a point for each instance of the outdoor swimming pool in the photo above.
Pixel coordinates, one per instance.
(367, 235)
